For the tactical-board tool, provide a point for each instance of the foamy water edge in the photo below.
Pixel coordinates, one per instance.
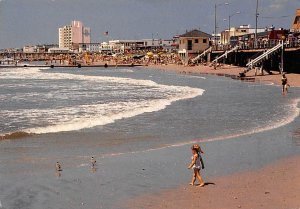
(283, 122)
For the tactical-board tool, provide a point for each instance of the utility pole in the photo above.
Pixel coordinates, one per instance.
(216, 6)
(256, 24)
(216, 45)
(282, 57)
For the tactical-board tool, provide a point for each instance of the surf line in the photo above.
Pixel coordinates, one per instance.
(285, 121)
(16, 135)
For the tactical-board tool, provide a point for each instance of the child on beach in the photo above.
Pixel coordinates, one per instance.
(196, 165)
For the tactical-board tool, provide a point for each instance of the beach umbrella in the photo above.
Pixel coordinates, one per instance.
(150, 54)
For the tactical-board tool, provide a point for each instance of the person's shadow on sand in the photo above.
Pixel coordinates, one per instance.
(207, 184)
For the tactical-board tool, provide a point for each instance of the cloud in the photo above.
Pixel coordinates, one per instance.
(277, 5)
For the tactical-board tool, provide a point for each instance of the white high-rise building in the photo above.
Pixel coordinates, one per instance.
(74, 34)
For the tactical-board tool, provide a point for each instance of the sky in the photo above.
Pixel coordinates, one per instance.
(30, 22)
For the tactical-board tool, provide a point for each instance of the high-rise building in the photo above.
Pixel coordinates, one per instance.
(72, 35)
(296, 23)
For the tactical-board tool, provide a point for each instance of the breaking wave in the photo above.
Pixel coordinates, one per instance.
(80, 101)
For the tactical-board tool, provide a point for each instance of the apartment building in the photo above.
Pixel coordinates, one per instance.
(72, 35)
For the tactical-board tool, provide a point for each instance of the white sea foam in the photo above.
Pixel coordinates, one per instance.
(76, 117)
(200, 77)
(129, 110)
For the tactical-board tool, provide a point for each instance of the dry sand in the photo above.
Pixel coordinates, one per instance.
(274, 187)
(294, 79)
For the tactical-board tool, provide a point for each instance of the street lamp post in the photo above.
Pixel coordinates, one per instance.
(229, 24)
(282, 56)
(256, 23)
(215, 35)
(229, 19)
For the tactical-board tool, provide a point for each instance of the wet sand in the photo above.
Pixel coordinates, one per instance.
(276, 186)
(294, 79)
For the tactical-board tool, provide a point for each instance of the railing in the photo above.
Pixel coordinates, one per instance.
(269, 44)
(226, 54)
(203, 54)
(265, 55)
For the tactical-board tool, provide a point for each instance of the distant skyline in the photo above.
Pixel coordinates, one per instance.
(30, 22)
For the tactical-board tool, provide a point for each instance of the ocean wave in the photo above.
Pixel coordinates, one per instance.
(133, 110)
(40, 74)
(77, 117)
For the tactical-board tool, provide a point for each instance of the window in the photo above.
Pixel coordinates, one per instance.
(190, 45)
(196, 41)
(205, 41)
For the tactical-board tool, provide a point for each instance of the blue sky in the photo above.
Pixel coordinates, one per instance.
(36, 21)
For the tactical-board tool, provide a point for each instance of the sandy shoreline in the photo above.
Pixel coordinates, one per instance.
(294, 79)
(276, 186)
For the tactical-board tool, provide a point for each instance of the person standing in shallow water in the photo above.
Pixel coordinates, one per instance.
(284, 82)
(196, 165)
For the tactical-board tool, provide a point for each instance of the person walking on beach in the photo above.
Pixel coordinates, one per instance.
(196, 165)
(284, 82)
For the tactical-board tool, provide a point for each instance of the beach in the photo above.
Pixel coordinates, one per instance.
(139, 125)
(276, 186)
(294, 79)
(149, 104)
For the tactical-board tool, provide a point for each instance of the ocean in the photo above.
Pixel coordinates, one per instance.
(37, 101)
(132, 121)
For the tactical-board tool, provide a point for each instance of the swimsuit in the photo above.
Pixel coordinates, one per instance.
(197, 163)
(284, 81)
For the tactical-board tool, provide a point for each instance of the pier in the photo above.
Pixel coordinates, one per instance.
(245, 54)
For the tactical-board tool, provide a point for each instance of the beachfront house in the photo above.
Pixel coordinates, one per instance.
(192, 43)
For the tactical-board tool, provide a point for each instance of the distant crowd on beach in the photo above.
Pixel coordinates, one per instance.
(141, 58)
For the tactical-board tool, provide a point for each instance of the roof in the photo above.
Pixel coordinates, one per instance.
(196, 33)
(58, 49)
